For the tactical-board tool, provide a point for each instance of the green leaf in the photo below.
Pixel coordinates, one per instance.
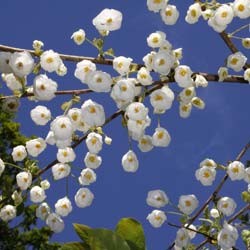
(245, 196)
(83, 232)
(74, 246)
(104, 239)
(132, 231)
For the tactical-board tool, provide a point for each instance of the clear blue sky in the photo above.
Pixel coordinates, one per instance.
(218, 132)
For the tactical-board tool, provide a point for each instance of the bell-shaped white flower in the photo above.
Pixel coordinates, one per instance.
(137, 111)
(182, 239)
(63, 207)
(170, 14)
(24, 180)
(200, 81)
(78, 36)
(224, 14)
(156, 218)
(148, 59)
(156, 39)
(144, 77)
(206, 175)
(7, 213)
(130, 162)
(60, 171)
(37, 194)
(157, 198)
(99, 81)
(226, 206)
(156, 6)
(50, 61)
(44, 88)
(241, 8)
(121, 64)
(84, 197)
(108, 20)
(55, 223)
(236, 61)
(83, 69)
(40, 115)
(93, 113)
(87, 177)
(183, 76)
(19, 153)
(185, 109)
(188, 203)
(92, 160)
(42, 211)
(65, 155)
(12, 82)
(163, 62)
(161, 137)
(36, 146)
(236, 170)
(94, 142)
(21, 63)
(193, 13)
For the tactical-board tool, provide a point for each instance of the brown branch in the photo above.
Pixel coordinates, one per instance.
(231, 45)
(216, 191)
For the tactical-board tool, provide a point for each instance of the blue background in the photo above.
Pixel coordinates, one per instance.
(218, 132)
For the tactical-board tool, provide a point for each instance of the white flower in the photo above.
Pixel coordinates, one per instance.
(2, 166)
(163, 62)
(93, 113)
(37, 45)
(124, 90)
(185, 110)
(162, 99)
(216, 27)
(246, 43)
(193, 13)
(223, 73)
(157, 198)
(214, 213)
(83, 68)
(183, 76)
(55, 223)
(78, 36)
(156, 39)
(241, 8)
(198, 103)
(94, 142)
(63, 207)
(50, 61)
(37, 194)
(208, 163)
(144, 77)
(4, 62)
(62, 70)
(227, 236)
(75, 116)
(178, 53)
(137, 127)
(36, 146)
(83, 126)
(60, 171)
(63, 143)
(40, 115)
(62, 128)
(188, 203)
(182, 238)
(236, 61)
(247, 75)
(21, 63)
(44, 88)
(145, 143)
(148, 59)
(170, 14)
(187, 94)
(50, 138)
(108, 20)
(42, 211)
(8, 212)
(206, 175)
(167, 46)
(12, 82)
(11, 104)
(92, 160)
(65, 155)
(191, 233)
(156, 218)
(226, 206)
(121, 64)
(246, 178)
(224, 15)
(99, 81)
(24, 180)
(84, 197)
(161, 137)
(130, 162)
(236, 171)
(87, 177)
(108, 140)
(19, 153)
(137, 111)
(45, 184)
(200, 81)
(156, 5)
